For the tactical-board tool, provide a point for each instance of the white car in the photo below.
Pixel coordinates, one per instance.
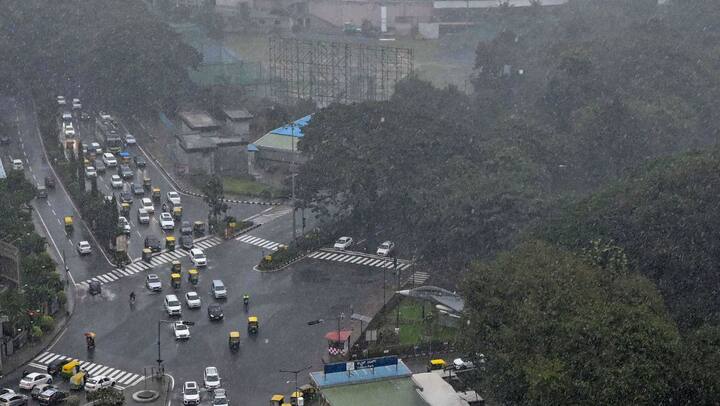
(109, 159)
(104, 116)
(220, 398)
(17, 165)
(174, 198)
(166, 221)
(143, 216)
(147, 205)
(69, 132)
(191, 393)
(386, 248)
(130, 139)
(116, 182)
(90, 172)
(35, 378)
(124, 224)
(95, 147)
(343, 243)
(172, 305)
(66, 116)
(459, 363)
(152, 281)
(211, 378)
(98, 382)
(193, 300)
(182, 331)
(84, 248)
(197, 256)
(61, 100)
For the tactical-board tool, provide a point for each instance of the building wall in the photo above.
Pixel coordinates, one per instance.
(337, 12)
(238, 128)
(231, 160)
(194, 163)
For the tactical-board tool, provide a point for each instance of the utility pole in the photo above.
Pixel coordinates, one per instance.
(292, 174)
(296, 372)
(397, 275)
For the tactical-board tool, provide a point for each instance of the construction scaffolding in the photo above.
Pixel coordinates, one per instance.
(327, 71)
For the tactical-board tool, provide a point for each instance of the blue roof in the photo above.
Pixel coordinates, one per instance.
(252, 148)
(213, 54)
(323, 380)
(294, 129)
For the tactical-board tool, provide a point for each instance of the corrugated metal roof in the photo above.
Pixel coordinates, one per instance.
(277, 141)
(294, 129)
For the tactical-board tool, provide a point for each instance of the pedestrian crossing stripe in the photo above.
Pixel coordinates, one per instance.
(381, 262)
(123, 378)
(417, 278)
(260, 242)
(139, 265)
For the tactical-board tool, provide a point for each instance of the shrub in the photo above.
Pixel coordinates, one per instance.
(46, 323)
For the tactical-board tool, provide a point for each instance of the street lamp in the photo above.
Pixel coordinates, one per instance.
(159, 357)
(320, 321)
(296, 372)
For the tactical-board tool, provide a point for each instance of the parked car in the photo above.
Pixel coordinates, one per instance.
(191, 393)
(172, 305)
(386, 248)
(215, 312)
(98, 382)
(147, 204)
(116, 182)
(166, 221)
(35, 378)
(218, 289)
(153, 283)
(192, 299)
(181, 330)
(109, 159)
(84, 248)
(153, 243)
(343, 243)
(139, 161)
(13, 399)
(143, 216)
(197, 256)
(211, 378)
(174, 198)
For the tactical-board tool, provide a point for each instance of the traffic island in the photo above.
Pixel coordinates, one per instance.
(146, 396)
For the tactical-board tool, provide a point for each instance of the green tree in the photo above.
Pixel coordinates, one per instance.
(559, 330)
(215, 198)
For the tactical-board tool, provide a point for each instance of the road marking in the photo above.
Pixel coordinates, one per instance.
(361, 259)
(260, 242)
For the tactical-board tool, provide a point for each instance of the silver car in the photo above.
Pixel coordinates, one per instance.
(13, 399)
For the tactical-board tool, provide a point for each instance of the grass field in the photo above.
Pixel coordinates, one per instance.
(413, 328)
(235, 186)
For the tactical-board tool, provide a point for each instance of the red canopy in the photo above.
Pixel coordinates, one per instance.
(334, 336)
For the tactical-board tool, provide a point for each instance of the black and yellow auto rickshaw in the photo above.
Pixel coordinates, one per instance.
(170, 243)
(175, 280)
(198, 228)
(309, 392)
(193, 276)
(147, 183)
(177, 213)
(146, 254)
(234, 340)
(68, 224)
(436, 364)
(294, 397)
(277, 400)
(125, 209)
(77, 381)
(253, 325)
(156, 194)
(175, 266)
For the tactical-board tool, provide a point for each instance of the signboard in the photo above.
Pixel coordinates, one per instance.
(360, 364)
(334, 368)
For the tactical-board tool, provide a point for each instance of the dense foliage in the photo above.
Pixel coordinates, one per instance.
(113, 54)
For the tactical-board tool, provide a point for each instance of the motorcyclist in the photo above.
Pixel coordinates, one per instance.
(132, 296)
(246, 299)
(164, 207)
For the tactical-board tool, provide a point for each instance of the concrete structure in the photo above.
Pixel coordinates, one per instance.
(237, 122)
(278, 148)
(199, 121)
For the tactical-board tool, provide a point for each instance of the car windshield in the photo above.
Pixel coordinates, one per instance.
(181, 327)
(191, 391)
(212, 378)
(152, 278)
(173, 303)
(192, 295)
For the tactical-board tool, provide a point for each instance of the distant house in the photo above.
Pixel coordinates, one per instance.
(237, 122)
(199, 121)
(278, 147)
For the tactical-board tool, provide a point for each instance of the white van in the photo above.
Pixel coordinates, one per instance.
(172, 305)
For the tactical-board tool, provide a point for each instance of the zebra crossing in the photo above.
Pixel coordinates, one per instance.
(417, 278)
(358, 259)
(139, 265)
(260, 242)
(123, 378)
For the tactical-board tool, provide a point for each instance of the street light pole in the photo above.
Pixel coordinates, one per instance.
(296, 372)
(292, 175)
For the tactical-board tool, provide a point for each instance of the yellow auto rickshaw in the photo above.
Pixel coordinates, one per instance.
(170, 243)
(175, 280)
(175, 266)
(156, 194)
(234, 340)
(193, 276)
(309, 392)
(253, 325)
(125, 209)
(86, 163)
(277, 400)
(147, 183)
(294, 397)
(68, 224)
(146, 254)
(199, 228)
(436, 364)
(177, 213)
(70, 368)
(77, 381)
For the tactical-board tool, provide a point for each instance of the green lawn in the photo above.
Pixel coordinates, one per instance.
(412, 327)
(245, 187)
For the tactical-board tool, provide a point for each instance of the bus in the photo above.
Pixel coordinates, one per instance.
(107, 133)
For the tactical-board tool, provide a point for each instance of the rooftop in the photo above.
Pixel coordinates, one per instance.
(237, 114)
(276, 141)
(293, 129)
(194, 142)
(435, 391)
(198, 120)
(396, 392)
